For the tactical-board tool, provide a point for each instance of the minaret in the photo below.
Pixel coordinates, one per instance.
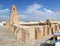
(13, 17)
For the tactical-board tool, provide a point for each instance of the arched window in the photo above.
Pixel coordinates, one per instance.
(47, 23)
(13, 22)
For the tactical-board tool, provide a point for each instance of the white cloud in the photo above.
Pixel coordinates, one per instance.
(33, 8)
(3, 11)
(34, 13)
(48, 11)
(22, 16)
(4, 17)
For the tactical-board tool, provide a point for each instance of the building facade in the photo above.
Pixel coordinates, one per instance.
(27, 32)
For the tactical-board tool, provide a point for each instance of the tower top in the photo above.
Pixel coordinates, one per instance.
(13, 8)
(13, 16)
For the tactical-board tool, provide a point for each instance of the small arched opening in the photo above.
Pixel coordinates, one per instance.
(47, 30)
(13, 8)
(59, 26)
(35, 34)
(52, 30)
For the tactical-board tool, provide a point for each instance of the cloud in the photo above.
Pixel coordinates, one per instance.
(4, 18)
(48, 11)
(33, 13)
(2, 11)
(33, 8)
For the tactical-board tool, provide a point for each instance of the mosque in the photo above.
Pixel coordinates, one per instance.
(27, 32)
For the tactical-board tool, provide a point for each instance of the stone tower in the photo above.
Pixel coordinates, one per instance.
(13, 17)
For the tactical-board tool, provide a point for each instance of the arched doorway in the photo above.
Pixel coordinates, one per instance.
(52, 30)
(59, 26)
(23, 35)
(55, 27)
(35, 34)
(47, 30)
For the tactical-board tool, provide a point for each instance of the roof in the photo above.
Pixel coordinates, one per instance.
(41, 22)
(52, 21)
(28, 22)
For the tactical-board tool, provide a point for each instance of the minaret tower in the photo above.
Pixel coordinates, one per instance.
(13, 17)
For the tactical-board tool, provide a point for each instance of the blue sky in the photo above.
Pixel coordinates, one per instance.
(31, 10)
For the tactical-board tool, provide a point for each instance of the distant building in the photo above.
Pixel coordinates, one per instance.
(27, 32)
